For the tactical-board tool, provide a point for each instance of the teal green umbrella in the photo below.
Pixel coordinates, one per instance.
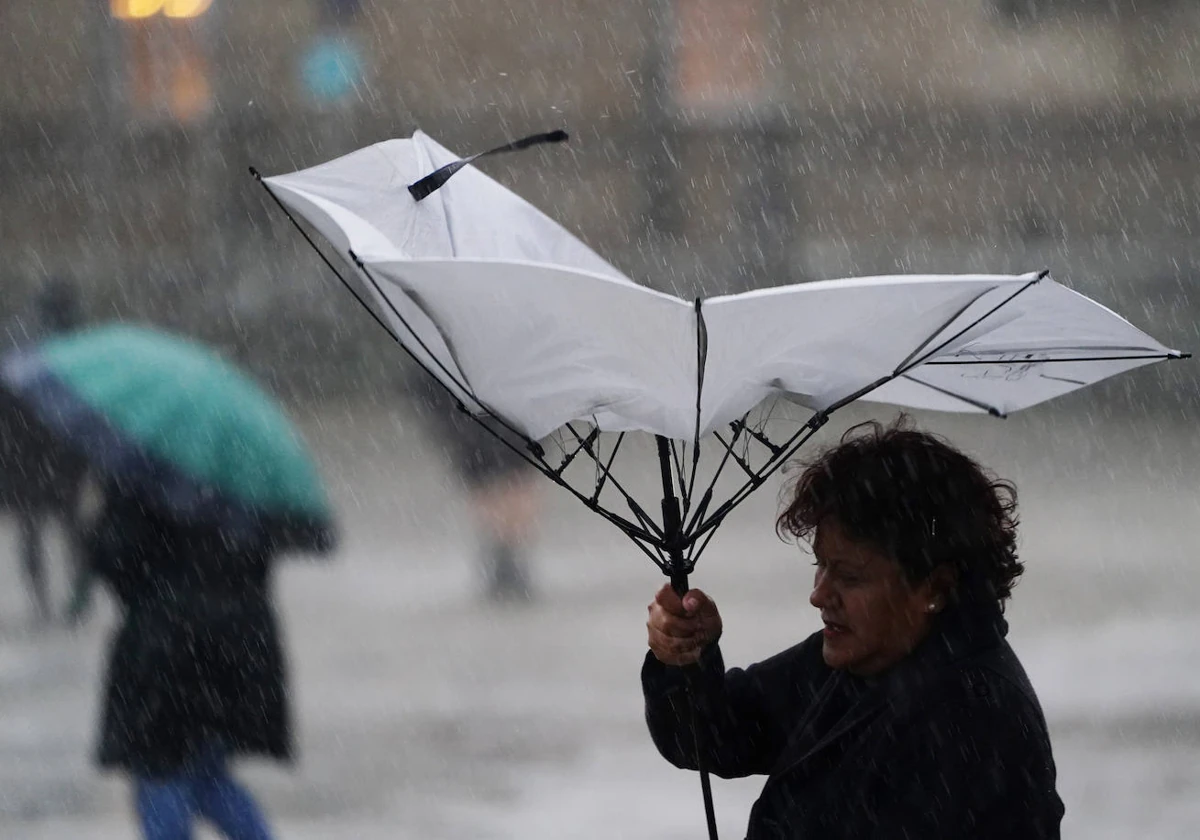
(172, 422)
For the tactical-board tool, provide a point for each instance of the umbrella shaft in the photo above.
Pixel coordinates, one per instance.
(672, 520)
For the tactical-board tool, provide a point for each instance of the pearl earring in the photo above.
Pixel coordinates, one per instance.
(932, 606)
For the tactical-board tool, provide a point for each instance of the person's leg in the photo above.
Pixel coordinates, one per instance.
(222, 801)
(506, 510)
(165, 807)
(29, 526)
(82, 579)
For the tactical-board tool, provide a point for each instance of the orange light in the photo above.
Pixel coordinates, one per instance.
(135, 9)
(185, 8)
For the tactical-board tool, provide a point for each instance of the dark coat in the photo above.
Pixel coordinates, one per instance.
(37, 473)
(197, 658)
(950, 743)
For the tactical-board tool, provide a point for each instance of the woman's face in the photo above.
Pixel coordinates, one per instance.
(873, 616)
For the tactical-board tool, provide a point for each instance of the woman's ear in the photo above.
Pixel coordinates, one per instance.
(942, 585)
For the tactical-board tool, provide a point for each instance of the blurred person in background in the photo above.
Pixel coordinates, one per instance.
(56, 309)
(908, 715)
(502, 490)
(196, 670)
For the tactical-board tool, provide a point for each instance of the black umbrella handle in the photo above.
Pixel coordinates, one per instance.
(676, 570)
(679, 582)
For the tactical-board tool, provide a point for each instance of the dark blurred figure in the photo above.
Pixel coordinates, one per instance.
(502, 491)
(196, 671)
(43, 488)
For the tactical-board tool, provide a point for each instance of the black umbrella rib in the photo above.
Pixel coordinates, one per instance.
(701, 509)
(741, 462)
(982, 406)
(701, 362)
(677, 461)
(604, 471)
(790, 448)
(624, 525)
(642, 516)
(591, 438)
(909, 363)
(1093, 348)
(329, 264)
(362, 266)
(793, 445)
(698, 515)
(656, 558)
(774, 448)
(1155, 356)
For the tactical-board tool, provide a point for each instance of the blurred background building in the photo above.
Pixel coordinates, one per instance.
(716, 144)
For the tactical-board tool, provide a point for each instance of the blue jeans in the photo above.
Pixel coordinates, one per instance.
(167, 806)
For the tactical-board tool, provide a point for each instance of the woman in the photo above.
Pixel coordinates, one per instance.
(908, 715)
(195, 673)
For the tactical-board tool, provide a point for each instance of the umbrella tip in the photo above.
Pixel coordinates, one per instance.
(254, 172)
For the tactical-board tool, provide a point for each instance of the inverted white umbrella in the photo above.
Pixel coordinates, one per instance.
(533, 332)
(528, 326)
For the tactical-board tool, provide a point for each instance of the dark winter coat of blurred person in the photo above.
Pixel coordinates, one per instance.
(54, 487)
(196, 670)
(908, 715)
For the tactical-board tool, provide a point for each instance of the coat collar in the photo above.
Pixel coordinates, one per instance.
(846, 702)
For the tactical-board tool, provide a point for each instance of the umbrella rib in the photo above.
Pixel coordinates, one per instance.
(701, 363)
(729, 448)
(700, 545)
(591, 438)
(908, 364)
(1093, 348)
(329, 264)
(642, 516)
(1149, 357)
(790, 448)
(604, 471)
(1077, 382)
(982, 406)
(421, 343)
(655, 556)
(701, 509)
(759, 436)
(716, 477)
(677, 459)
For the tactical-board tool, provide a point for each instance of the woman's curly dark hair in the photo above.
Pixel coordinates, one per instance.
(916, 498)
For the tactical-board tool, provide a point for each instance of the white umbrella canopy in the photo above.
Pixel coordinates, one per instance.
(522, 320)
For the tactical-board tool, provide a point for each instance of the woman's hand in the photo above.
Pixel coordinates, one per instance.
(680, 628)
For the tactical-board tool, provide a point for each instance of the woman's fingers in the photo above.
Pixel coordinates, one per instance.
(669, 602)
(679, 628)
(674, 651)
